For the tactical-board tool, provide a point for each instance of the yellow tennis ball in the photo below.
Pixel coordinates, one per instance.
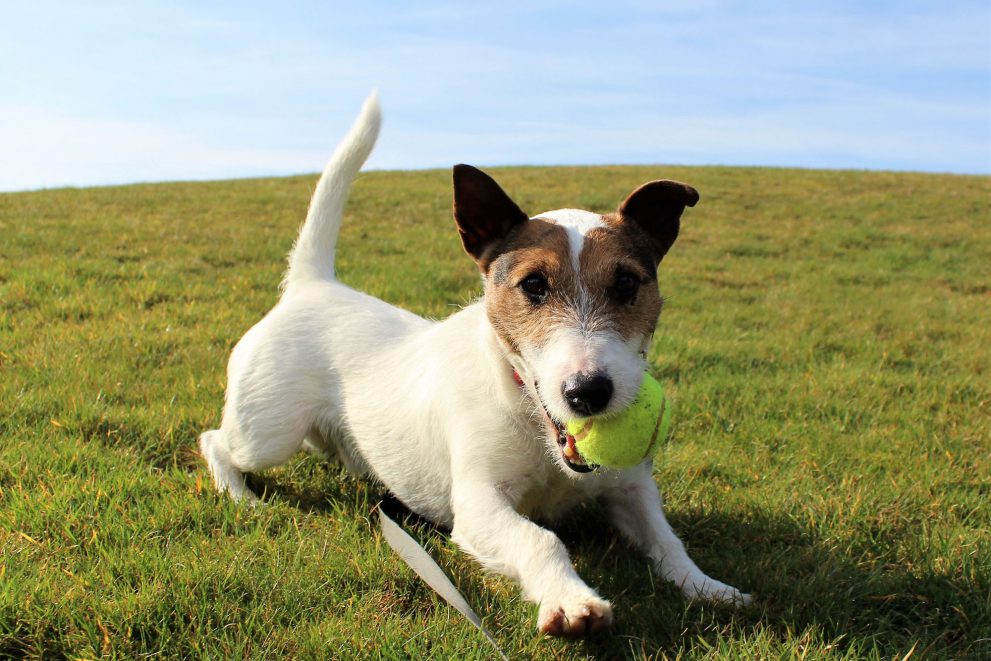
(628, 437)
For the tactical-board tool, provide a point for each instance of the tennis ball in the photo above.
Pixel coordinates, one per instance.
(629, 436)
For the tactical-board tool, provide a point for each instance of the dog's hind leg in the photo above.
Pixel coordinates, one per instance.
(253, 438)
(317, 446)
(226, 476)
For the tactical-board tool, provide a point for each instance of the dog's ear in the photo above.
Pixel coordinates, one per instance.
(483, 212)
(656, 208)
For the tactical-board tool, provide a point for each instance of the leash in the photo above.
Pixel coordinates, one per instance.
(417, 558)
(430, 572)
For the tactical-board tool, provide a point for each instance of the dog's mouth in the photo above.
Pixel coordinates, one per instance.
(572, 458)
(570, 455)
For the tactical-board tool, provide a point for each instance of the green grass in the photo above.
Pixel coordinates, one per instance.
(826, 341)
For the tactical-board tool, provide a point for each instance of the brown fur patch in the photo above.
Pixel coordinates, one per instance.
(536, 247)
(583, 300)
(609, 251)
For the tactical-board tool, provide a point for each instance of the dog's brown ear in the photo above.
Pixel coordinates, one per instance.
(483, 212)
(656, 208)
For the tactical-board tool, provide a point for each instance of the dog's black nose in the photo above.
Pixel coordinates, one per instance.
(587, 394)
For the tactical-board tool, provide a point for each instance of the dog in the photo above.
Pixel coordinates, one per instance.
(463, 419)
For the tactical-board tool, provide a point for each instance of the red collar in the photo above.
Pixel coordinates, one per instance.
(517, 378)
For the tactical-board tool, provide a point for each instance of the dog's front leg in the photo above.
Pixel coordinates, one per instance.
(638, 513)
(487, 526)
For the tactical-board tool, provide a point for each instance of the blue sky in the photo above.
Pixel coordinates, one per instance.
(115, 92)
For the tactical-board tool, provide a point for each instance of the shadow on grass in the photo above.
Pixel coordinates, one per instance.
(806, 590)
(316, 486)
(801, 586)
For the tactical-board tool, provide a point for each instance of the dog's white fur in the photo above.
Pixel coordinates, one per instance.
(432, 411)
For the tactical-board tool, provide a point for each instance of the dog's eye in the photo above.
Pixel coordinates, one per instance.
(624, 289)
(535, 287)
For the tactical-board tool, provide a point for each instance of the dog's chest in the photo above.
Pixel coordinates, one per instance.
(547, 495)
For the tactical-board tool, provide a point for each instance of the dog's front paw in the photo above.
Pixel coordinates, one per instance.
(576, 616)
(712, 590)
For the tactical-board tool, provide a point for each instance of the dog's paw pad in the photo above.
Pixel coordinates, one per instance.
(575, 618)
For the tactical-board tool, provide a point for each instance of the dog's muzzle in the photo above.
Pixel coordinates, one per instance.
(565, 441)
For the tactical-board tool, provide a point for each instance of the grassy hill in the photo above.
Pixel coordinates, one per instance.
(825, 341)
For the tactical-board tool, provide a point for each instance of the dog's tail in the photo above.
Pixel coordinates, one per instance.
(312, 257)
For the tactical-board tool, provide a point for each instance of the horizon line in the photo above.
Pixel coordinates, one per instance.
(316, 173)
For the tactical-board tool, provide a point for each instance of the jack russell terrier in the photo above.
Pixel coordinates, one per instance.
(463, 419)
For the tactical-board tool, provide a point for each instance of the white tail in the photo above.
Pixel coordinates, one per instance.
(312, 257)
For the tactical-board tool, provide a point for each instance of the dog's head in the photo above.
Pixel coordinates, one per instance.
(572, 295)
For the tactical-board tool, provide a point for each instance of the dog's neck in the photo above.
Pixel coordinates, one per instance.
(508, 372)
